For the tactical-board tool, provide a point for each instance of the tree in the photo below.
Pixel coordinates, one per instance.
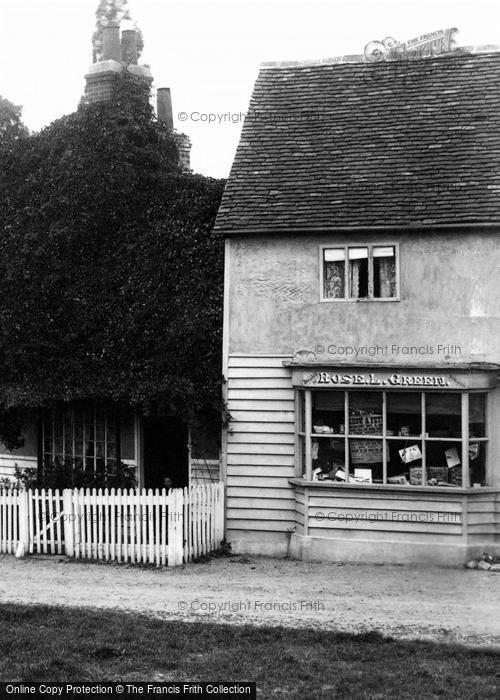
(11, 125)
(112, 11)
(110, 271)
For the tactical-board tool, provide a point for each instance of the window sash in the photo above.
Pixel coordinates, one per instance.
(462, 442)
(93, 436)
(347, 270)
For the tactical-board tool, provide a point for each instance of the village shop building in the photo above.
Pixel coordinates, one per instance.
(362, 317)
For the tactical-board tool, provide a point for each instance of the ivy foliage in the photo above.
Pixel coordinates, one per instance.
(111, 275)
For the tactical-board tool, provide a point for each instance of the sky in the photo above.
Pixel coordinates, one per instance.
(209, 51)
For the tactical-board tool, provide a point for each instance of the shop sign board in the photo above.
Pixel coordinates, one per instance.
(338, 378)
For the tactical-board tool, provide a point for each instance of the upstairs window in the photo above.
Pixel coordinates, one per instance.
(360, 272)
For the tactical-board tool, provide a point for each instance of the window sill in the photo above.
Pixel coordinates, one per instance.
(393, 487)
(360, 301)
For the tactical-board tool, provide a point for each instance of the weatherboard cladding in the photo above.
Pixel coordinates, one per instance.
(260, 446)
(357, 144)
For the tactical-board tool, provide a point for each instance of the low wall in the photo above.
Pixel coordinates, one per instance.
(378, 524)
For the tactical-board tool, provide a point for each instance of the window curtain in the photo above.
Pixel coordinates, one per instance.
(387, 275)
(355, 267)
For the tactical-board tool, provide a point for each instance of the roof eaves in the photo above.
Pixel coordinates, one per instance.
(229, 229)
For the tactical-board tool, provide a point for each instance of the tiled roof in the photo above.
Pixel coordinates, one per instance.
(358, 144)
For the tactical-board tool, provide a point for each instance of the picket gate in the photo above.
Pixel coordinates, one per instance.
(164, 528)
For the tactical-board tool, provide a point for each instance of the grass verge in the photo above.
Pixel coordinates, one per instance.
(42, 643)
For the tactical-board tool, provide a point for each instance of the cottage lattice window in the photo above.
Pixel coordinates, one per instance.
(87, 435)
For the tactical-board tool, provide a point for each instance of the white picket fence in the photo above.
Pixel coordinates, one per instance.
(166, 528)
(13, 524)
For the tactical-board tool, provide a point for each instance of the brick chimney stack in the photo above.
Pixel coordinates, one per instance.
(111, 48)
(129, 47)
(164, 107)
(117, 56)
(164, 114)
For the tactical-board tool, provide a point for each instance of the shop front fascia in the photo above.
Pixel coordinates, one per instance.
(396, 464)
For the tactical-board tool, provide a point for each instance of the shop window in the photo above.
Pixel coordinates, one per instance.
(394, 437)
(477, 437)
(359, 272)
(86, 435)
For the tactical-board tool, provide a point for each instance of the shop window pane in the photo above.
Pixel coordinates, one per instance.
(477, 462)
(365, 413)
(365, 418)
(334, 273)
(358, 273)
(328, 456)
(477, 415)
(404, 414)
(384, 272)
(444, 415)
(404, 461)
(444, 462)
(365, 457)
(328, 412)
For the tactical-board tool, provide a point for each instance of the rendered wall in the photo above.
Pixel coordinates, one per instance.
(449, 296)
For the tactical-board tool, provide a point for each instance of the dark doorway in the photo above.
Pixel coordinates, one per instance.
(165, 452)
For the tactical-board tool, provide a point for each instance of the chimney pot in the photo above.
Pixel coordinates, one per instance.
(111, 42)
(164, 107)
(129, 46)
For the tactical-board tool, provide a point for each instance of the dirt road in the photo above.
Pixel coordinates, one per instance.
(454, 605)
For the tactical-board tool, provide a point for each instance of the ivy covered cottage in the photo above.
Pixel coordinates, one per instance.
(97, 435)
(362, 318)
